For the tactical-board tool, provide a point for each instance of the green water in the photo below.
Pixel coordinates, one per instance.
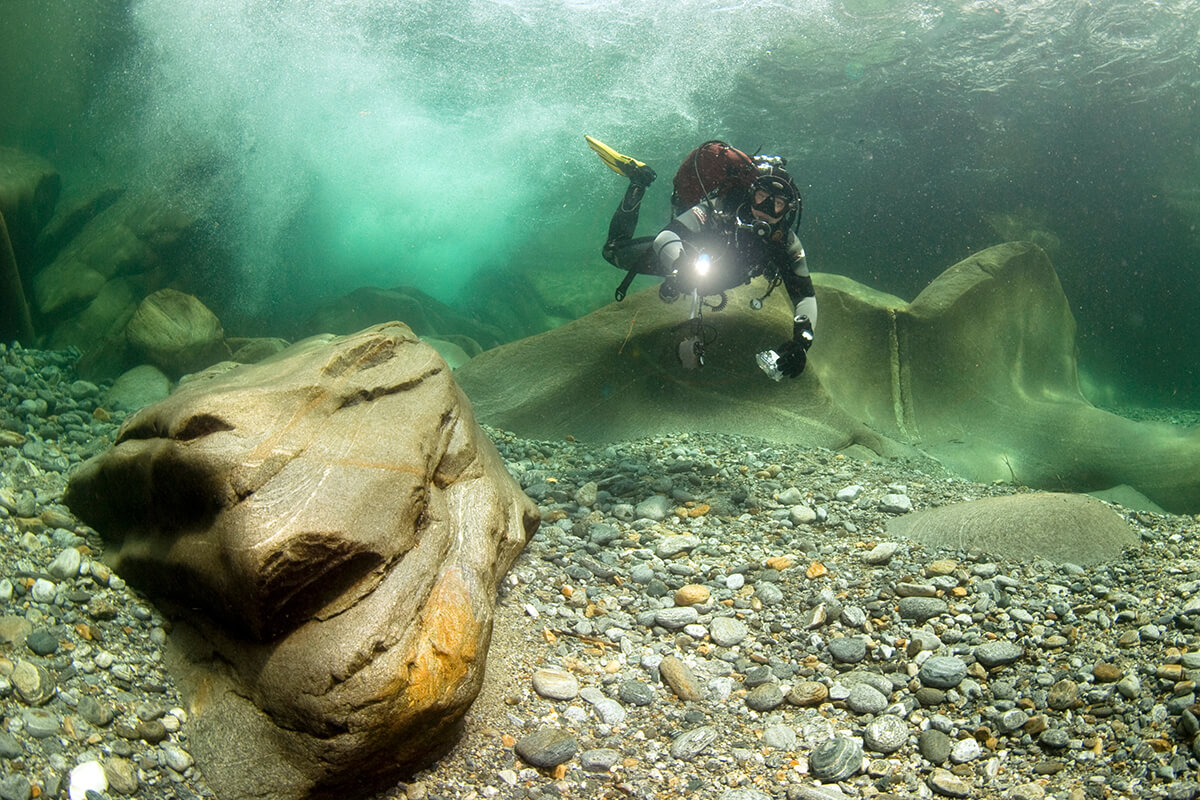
(439, 145)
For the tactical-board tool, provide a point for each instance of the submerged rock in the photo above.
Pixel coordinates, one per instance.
(177, 333)
(1062, 528)
(978, 373)
(331, 526)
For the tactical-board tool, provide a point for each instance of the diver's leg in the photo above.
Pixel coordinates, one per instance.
(630, 254)
(623, 224)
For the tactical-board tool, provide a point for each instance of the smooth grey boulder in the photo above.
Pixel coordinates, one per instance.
(977, 373)
(177, 333)
(1063, 528)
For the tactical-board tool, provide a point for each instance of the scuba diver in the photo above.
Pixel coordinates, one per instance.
(734, 220)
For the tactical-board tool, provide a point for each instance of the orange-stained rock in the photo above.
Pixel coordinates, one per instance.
(327, 529)
(779, 562)
(692, 594)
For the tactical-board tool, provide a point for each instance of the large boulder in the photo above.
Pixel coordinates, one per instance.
(177, 333)
(29, 189)
(978, 372)
(15, 319)
(1058, 527)
(426, 315)
(129, 238)
(614, 375)
(327, 528)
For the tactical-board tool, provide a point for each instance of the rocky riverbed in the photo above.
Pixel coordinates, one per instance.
(699, 616)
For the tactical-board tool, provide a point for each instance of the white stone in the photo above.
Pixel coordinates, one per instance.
(850, 493)
(43, 591)
(85, 777)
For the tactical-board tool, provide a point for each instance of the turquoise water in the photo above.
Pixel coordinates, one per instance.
(331, 145)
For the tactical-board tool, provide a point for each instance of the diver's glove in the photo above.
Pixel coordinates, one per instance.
(793, 355)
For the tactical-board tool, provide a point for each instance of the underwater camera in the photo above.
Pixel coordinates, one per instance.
(768, 362)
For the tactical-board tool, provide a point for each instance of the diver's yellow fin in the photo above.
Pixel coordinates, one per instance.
(618, 163)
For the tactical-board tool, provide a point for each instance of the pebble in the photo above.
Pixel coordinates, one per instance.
(768, 594)
(965, 750)
(40, 724)
(692, 743)
(836, 759)
(547, 747)
(556, 684)
(866, 699)
(86, 777)
(599, 759)
(66, 565)
(922, 609)
(779, 737)
(848, 649)
(885, 734)
(942, 672)
(998, 654)
(728, 631)
(1063, 695)
(679, 677)
(896, 504)
(688, 568)
(947, 784)
(635, 693)
(881, 553)
(808, 693)
(935, 746)
(692, 594)
(671, 546)
(744, 793)
(765, 697)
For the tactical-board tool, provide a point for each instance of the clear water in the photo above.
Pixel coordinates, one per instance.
(440, 144)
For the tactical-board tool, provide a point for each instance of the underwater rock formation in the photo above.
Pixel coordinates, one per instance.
(614, 375)
(95, 281)
(177, 333)
(1063, 528)
(328, 528)
(15, 321)
(29, 190)
(426, 315)
(978, 372)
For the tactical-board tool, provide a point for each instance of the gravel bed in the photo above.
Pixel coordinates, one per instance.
(699, 616)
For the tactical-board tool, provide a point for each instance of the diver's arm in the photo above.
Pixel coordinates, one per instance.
(799, 285)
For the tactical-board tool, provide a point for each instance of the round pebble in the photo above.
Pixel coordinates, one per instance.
(555, 684)
(942, 672)
(836, 759)
(885, 734)
(728, 631)
(998, 654)
(693, 594)
(866, 699)
(848, 649)
(808, 693)
(765, 697)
